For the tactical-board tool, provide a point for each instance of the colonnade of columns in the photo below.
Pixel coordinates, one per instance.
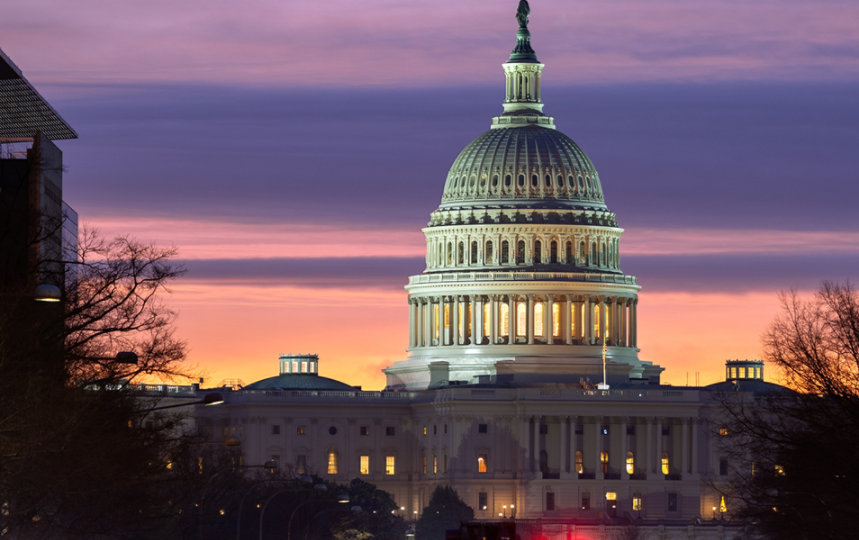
(499, 319)
(599, 447)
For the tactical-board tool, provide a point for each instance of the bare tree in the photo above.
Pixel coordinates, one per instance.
(113, 304)
(75, 458)
(793, 452)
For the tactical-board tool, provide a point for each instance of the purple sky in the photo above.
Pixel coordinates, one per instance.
(730, 122)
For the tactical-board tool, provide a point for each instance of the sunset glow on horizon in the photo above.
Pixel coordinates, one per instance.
(291, 153)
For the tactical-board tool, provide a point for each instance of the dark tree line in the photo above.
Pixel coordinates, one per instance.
(794, 454)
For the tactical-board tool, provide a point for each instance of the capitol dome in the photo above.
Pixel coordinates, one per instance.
(522, 279)
(530, 166)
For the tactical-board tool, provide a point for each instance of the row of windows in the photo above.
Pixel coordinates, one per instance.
(602, 253)
(578, 184)
(333, 464)
(390, 431)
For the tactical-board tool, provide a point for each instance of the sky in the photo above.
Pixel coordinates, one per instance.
(293, 151)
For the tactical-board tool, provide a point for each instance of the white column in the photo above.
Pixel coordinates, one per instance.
(564, 461)
(476, 320)
(548, 319)
(413, 321)
(693, 467)
(529, 318)
(511, 319)
(684, 463)
(454, 308)
(589, 322)
(633, 326)
(577, 314)
(566, 320)
(494, 305)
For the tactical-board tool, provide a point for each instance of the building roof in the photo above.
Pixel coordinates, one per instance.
(23, 111)
(298, 381)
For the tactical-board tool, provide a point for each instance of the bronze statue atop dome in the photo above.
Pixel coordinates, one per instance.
(522, 13)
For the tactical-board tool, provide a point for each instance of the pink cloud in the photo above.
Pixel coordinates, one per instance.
(418, 43)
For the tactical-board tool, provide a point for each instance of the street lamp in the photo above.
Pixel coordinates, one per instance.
(47, 293)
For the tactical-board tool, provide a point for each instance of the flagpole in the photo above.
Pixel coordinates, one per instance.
(604, 384)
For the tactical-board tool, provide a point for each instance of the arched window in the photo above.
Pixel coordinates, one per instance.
(494, 180)
(604, 461)
(487, 256)
(534, 180)
(505, 252)
(630, 463)
(481, 463)
(487, 318)
(473, 252)
(520, 252)
(538, 252)
(521, 180)
(594, 258)
(460, 253)
(508, 180)
(560, 181)
(583, 255)
(332, 461)
(449, 253)
(553, 252)
(571, 181)
(569, 253)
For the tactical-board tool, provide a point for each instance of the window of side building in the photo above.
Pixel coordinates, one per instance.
(332, 462)
(482, 463)
(390, 465)
(482, 500)
(365, 430)
(364, 464)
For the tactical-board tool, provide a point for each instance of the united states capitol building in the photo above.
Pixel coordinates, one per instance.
(522, 387)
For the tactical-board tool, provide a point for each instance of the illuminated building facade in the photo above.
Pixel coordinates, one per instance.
(521, 310)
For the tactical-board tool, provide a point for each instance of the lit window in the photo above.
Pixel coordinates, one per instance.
(425, 430)
(580, 468)
(464, 315)
(487, 319)
(666, 465)
(365, 430)
(556, 319)
(723, 431)
(364, 465)
(505, 320)
(332, 462)
(435, 320)
(423, 463)
(521, 319)
(630, 463)
(481, 463)
(779, 470)
(636, 503)
(304, 367)
(446, 316)
(538, 319)
(596, 321)
(604, 461)
(610, 496)
(572, 318)
(301, 430)
(434, 464)
(390, 465)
